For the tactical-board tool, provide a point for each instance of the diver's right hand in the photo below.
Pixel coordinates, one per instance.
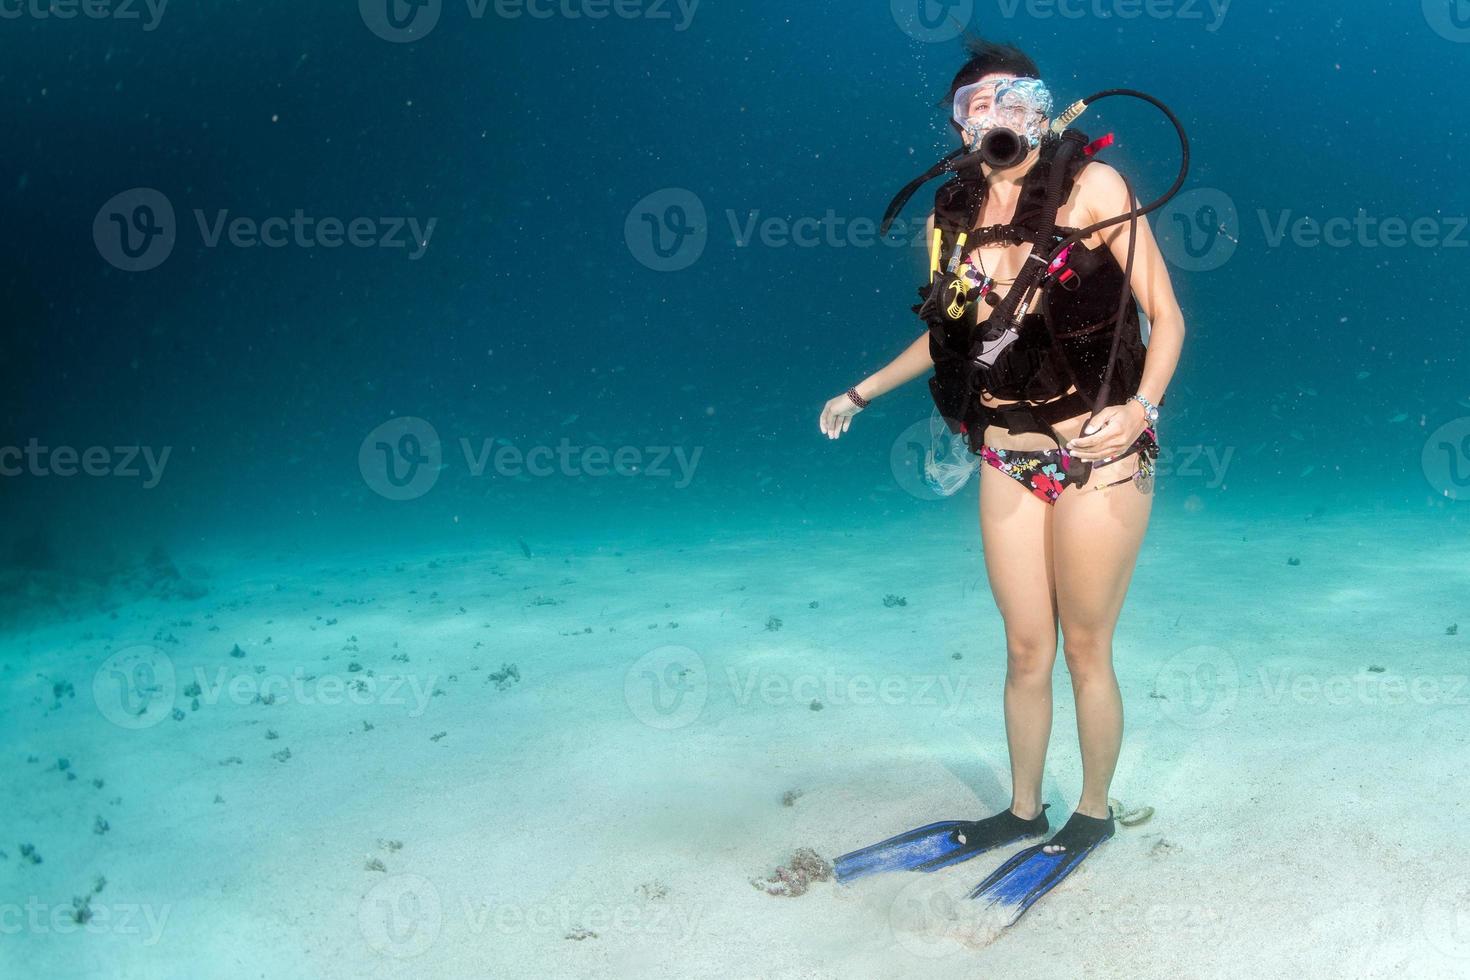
(837, 416)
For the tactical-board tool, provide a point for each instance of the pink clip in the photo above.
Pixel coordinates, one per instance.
(1061, 260)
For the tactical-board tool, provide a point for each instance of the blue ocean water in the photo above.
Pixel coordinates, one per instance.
(529, 318)
(290, 286)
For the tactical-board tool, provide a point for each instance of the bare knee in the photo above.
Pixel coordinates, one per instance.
(1089, 658)
(1030, 662)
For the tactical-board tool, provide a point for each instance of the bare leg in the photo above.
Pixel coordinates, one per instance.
(1016, 527)
(1097, 536)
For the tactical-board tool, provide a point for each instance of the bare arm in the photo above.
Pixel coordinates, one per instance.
(913, 361)
(1104, 195)
(838, 412)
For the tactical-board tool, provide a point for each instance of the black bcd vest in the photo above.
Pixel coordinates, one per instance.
(1065, 339)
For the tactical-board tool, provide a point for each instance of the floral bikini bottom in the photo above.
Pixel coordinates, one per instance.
(1044, 471)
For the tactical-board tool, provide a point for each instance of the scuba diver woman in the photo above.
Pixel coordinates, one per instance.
(1039, 259)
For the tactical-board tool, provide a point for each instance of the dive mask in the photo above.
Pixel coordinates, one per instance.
(1005, 118)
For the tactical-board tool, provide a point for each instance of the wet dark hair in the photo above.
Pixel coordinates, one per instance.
(988, 58)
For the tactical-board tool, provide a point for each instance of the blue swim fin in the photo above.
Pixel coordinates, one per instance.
(1016, 885)
(939, 845)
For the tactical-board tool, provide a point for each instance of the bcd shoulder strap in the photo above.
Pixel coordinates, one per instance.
(959, 202)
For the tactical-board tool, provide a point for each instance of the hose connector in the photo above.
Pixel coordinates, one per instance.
(1072, 113)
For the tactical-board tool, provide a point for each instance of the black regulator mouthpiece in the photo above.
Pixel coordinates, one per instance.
(1002, 148)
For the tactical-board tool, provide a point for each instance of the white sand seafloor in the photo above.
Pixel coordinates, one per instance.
(1301, 730)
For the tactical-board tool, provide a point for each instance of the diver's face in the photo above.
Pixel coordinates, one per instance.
(982, 99)
(992, 103)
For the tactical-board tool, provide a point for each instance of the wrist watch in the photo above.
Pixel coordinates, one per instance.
(1150, 410)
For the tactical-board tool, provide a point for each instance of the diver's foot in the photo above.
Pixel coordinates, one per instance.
(1027, 812)
(1003, 828)
(1081, 834)
(1099, 812)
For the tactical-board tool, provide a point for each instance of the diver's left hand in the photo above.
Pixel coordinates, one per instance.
(1114, 429)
